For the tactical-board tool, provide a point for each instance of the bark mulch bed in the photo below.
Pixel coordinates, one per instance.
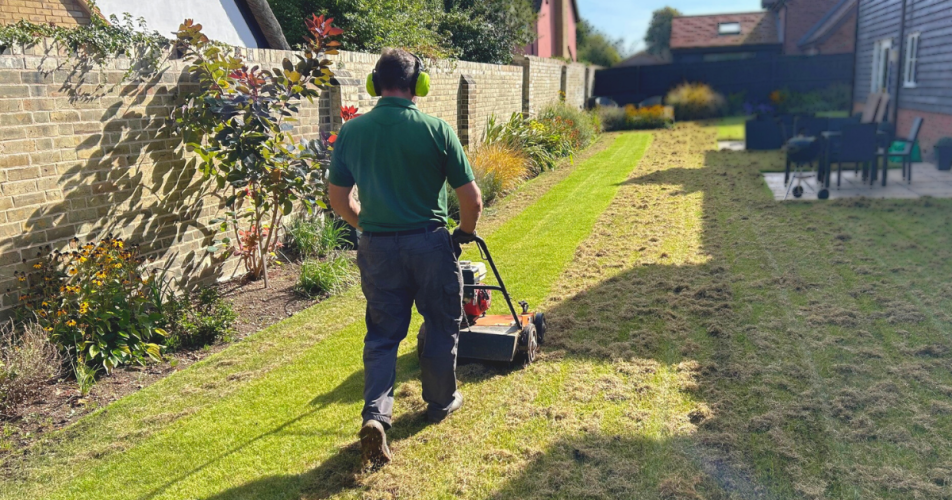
(60, 403)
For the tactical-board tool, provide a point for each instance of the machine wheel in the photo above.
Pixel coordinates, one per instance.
(824, 194)
(420, 340)
(798, 191)
(538, 319)
(528, 347)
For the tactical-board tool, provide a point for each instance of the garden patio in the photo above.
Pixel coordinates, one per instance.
(705, 342)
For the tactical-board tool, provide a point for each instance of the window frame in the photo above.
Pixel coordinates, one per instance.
(910, 70)
(879, 80)
(721, 32)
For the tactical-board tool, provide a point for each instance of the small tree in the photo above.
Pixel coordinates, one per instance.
(658, 36)
(596, 47)
(236, 121)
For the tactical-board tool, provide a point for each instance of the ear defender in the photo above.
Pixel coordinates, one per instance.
(372, 85)
(421, 81)
(422, 87)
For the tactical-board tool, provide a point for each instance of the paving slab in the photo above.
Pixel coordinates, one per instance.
(926, 181)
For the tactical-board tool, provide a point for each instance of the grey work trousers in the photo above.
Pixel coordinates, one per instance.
(395, 272)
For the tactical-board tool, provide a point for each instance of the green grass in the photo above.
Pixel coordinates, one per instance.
(704, 342)
(730, 128)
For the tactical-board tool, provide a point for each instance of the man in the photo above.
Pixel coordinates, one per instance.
(400, 158)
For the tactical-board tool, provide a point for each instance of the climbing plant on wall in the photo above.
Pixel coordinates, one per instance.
(237, 122)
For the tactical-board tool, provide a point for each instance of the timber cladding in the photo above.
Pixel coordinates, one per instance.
(85, 155)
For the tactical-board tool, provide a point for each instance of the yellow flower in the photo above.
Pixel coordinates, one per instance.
(71, 322)
(117, 265)
(49, 328)
(22, 279)
(118, 244)
(97, 282)
(45, 304)
(83, 259)
(84, 308)
(37, 265)
(60, 312)
(72, 272)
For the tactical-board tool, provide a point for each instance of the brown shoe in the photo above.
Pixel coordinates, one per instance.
(373, 445)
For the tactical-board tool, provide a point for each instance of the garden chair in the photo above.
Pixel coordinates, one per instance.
(908, 144)
(812, 127)
(832, 144)
(857, 145)
(787, 126)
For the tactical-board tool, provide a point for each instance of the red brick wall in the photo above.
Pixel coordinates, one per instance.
(802, 15)
(935, 126)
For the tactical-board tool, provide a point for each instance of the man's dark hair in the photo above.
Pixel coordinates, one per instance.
(395, 70)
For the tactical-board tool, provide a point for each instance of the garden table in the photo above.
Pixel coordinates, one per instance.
(828, 138)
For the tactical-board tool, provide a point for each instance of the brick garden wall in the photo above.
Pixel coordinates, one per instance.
(83, 157)
(58, 12)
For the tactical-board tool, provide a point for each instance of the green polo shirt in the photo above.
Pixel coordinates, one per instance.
(400, 159)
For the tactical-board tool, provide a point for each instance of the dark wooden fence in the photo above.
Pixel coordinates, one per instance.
(757, 77)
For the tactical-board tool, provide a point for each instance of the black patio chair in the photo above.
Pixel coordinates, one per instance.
(908, 145)
(812, 127)
(763, 135)
(833, 142)
(857, 145)
(787, 126)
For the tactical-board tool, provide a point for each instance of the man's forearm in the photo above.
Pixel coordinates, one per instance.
(469, 218)
(470, 206)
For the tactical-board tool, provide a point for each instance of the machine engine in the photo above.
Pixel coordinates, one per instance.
(475, 302)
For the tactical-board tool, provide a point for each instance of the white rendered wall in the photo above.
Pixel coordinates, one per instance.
(221, 20)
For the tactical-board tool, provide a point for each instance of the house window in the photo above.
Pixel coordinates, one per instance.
(728, 28)
(880, 78)
(910, 71)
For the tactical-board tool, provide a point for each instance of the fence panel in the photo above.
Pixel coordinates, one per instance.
(756, 77)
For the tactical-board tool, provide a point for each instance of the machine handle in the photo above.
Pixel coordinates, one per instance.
(502, 287)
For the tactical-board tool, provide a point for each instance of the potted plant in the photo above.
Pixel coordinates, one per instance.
(943, 153)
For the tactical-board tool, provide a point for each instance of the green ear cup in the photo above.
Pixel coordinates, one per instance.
(371, 88)
(422, 84)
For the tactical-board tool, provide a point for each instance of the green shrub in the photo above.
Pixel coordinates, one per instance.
(612, 118)
(27, 361)
(95, 302)
(833, 98)
(529, 136)
(204, 321)
(326, 277)
(315, 236)
(695, 101)
(576, 125)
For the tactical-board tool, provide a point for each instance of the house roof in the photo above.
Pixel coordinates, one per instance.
(829, 23)
(642, 58)
(756, 28)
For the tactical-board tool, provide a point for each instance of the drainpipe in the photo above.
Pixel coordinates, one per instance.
(859, 5)
(900, 69)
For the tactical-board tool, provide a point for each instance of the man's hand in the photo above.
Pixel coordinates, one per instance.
(461, 237)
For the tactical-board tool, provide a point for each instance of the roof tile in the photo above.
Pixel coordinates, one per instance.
(756, 28)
